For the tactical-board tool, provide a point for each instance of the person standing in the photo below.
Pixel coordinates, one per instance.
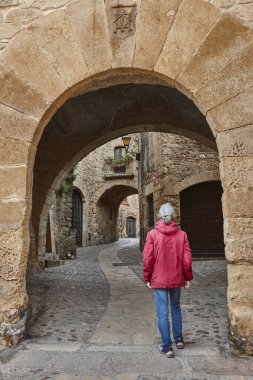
(167, 267)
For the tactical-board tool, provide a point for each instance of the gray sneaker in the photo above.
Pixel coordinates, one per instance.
(180, 345)
(167, 352)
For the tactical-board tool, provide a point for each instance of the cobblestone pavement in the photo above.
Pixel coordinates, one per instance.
(99, 324)
(204, 306)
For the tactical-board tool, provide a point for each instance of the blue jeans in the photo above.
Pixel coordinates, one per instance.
(162, 309)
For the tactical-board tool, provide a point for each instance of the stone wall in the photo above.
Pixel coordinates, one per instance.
(16, 15)
(63, 245)
(167, 161)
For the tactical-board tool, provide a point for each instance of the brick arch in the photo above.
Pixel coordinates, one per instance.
(194, 179)
(37, 78)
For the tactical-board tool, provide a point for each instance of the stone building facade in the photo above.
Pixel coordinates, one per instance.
(71, 81)
(169, 164)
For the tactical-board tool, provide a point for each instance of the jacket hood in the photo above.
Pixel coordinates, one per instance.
(166, 229)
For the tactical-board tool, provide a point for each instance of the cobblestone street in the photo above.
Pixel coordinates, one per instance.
(98, 322)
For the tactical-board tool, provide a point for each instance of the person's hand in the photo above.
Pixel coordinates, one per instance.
(187, 284)
(149, 285)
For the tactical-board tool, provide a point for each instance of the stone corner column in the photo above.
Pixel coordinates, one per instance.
(15, 209)
(240, 306)
(236, 173)
(13, 296)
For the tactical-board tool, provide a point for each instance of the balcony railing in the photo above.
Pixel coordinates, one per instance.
(116, 170)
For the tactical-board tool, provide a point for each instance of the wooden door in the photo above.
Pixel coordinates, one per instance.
(131, 227)
(201, 217)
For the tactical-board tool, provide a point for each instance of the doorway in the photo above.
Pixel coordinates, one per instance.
(77, 216)
(202, 219)
(131, 227)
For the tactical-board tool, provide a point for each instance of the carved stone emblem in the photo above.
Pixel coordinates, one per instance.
(124, 20)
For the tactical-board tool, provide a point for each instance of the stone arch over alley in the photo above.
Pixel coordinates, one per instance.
(187, 80)
(108, 208)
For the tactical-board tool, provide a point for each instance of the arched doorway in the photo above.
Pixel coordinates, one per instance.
(131, 227)
(202, 66)
(202, 219)
(77, 216)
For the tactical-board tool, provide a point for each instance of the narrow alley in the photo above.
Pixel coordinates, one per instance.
(98, 322)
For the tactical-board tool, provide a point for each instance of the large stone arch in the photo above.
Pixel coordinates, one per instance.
(212, 175)
(203, 51)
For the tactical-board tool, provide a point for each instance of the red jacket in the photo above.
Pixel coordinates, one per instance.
(167, 259)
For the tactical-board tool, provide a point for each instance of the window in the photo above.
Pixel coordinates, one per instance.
(150, 201)
(119, 152)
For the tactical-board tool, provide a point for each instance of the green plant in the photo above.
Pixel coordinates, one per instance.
(118, 161)
(109, 159)
(67, 184)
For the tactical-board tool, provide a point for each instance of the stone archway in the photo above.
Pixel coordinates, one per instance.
(107, 209)
(199, 53)
(195, 179)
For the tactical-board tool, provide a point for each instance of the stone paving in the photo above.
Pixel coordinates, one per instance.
(99, 323)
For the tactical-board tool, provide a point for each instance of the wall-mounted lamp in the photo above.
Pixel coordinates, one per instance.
(126, 142)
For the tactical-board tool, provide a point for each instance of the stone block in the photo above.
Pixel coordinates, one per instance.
(16, 93)
(235, 112)
(244, 10)
(236, 142)
(13, 214)
(13, 151)
(227, 37)
(240, 251)
(204, 367)
(154, 23)
(236, 172)
(22, 16)
(46, 5)
(238, 228)
(14, 250)
(122, 40)
(33, 66)
(14, 182)
(231, 80)
(88, 21)
(54, 35)
(238, 203)
(16, 124)
(8, 30)
(240, 306)
(189, 30)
